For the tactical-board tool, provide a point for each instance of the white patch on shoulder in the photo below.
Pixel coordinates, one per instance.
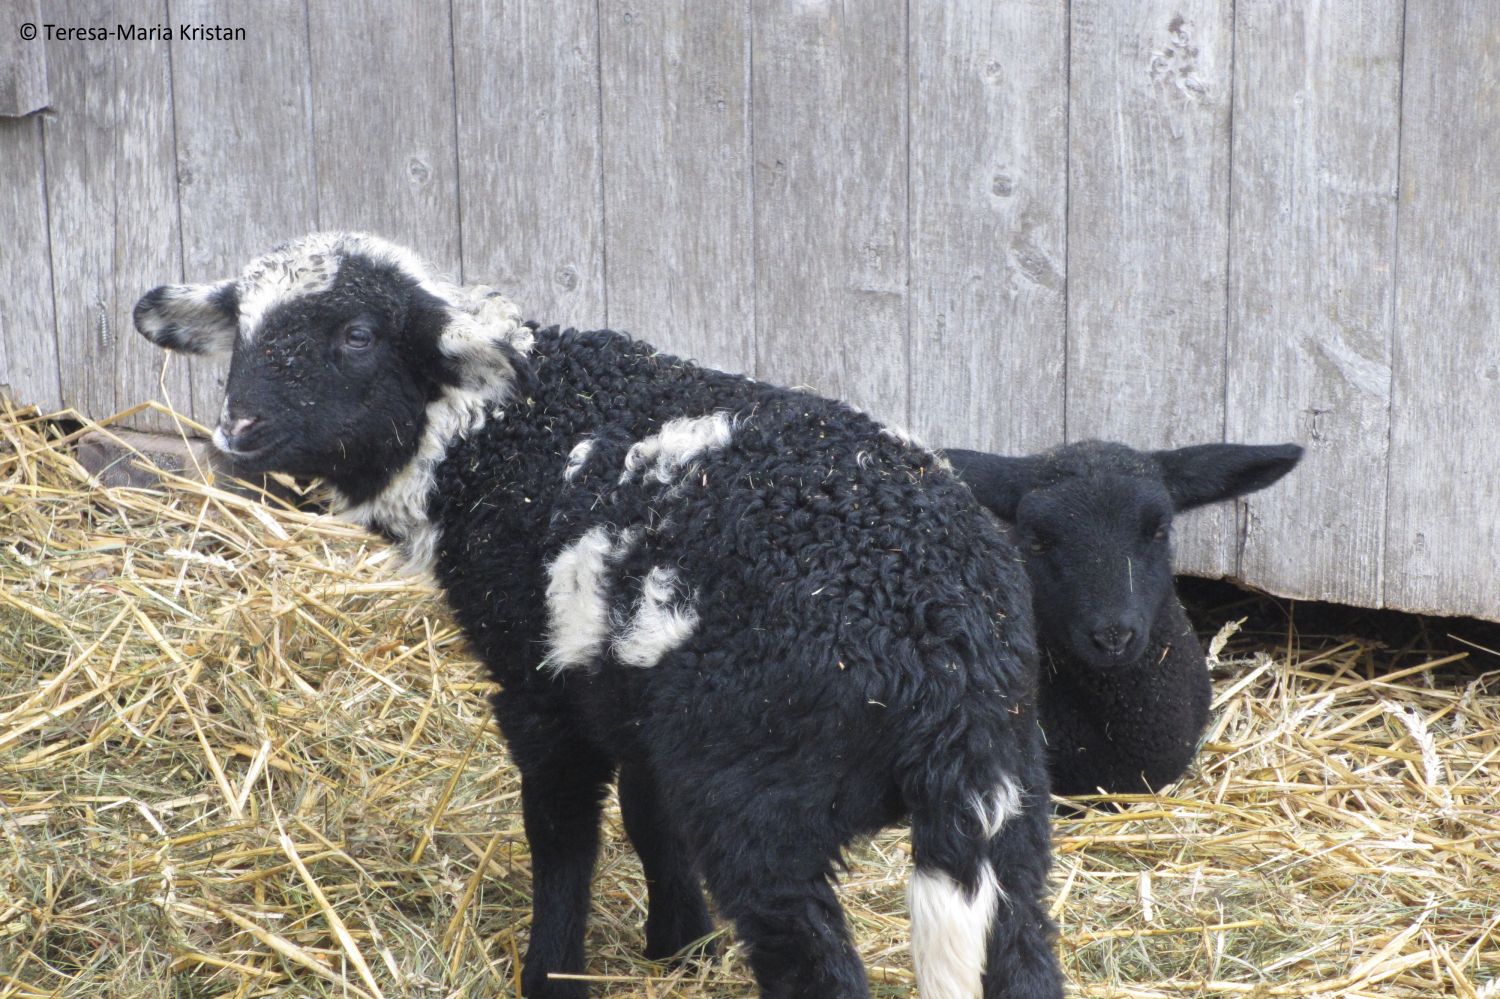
(1003, 805)
(577, 458)
(665, 454)
(578, 588)
(950, 931)
(662, 621)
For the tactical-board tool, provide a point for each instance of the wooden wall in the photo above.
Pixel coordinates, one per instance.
(1002, 223)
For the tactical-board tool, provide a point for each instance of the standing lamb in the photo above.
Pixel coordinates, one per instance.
(782, 626)
(1124, 689)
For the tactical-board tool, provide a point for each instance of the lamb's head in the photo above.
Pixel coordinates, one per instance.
(340, 344)
(1093, 521)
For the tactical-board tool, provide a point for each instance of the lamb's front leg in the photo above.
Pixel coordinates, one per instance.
(563, 784)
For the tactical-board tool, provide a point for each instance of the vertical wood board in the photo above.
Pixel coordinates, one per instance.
(988, 236)
(528, 134)
(1148, 211)
(112, 211)
(23, 61)
(829, 143)
(1316, 119)
(383, 120)
(244, 148)
(28, 343)
(1443, 530)
(678, 234)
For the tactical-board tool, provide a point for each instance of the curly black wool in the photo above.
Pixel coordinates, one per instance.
(778, 625)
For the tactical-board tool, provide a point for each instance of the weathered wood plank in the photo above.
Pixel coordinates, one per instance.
(384, 132)
(23, 61)
(28, 343)
(989, 168)
(1147, 229)
(244, 148)
(111, 186)
(1312, 248)
(1443, 530)
(528, 134)
(829, 112)
(678, 235)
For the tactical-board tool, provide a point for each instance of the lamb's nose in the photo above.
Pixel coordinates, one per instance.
(1114, 639)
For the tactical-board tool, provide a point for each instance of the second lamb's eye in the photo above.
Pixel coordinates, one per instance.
(1160, 534)
(358, 336)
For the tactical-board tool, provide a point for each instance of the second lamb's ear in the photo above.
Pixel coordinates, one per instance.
(997, 482)
(1208, 473)
(191, 318)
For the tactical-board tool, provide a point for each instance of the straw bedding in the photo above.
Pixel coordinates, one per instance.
(242, 755)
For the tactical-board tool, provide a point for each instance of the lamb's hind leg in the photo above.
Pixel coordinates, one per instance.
(563, 784)
(676, 916)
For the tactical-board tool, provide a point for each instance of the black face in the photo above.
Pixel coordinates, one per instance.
(1093, 520)
(333, 383)
(1099, 557)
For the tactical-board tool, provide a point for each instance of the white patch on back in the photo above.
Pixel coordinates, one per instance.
(577, 458)
(665, 454)
(662, 621)
(950, 931)
(1003, 805)
(578, 586)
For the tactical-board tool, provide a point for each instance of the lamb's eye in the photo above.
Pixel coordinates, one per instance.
(1036, 546)
(1160, 534)
(358, 336)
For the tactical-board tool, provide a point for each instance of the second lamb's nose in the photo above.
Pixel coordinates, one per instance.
(1114, 639)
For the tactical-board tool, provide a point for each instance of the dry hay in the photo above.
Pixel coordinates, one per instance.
(242, 755)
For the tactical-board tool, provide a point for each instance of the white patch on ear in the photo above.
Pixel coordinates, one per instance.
(577, 458)
(187, 317)
(664, 455)
(578, 586)
(950, 931)
(662, 621)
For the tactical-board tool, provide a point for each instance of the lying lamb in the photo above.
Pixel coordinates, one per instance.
(1124, 689)
(781, 625)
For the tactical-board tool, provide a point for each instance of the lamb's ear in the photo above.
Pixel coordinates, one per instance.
(483, 332)
(1207, 473)
(997, 482)
(192, 318)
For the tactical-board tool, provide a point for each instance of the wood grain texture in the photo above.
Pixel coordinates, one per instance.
(1443, 531)
(384, 133)
(28, 342)
(989, 169)
(112, 210)
(1147, 231)
(1312, 261)
(23, 63)
(528, 133)
(829, 139)
(244, 148)
(678, 232)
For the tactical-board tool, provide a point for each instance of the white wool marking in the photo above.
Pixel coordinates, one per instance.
(663, 455)
(949, 932)
(482, 324)
(662, 621)
(1003, 805)
(578, 596)
(577, 458)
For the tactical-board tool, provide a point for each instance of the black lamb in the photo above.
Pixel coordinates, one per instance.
(780, 625)
(1124, 688)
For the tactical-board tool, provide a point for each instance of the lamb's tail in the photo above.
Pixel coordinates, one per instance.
(981, 850)
(954, 894)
